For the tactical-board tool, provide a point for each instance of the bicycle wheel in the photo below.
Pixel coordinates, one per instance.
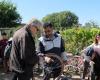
(54, 68)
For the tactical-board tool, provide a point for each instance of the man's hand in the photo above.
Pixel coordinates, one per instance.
(40, 54)
(48, 59)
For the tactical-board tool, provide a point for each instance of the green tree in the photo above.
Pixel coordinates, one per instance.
(9, 16)
(91, 24)
(62, 19)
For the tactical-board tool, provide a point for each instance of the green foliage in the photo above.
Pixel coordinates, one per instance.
(78, 38)
(91, 24)
(62, 19)
(8, 15)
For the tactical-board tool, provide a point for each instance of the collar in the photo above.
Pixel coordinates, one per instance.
(50, 39)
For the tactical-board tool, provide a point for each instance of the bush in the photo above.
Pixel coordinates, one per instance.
(78, 38)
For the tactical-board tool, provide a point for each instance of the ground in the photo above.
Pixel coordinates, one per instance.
(4, 76)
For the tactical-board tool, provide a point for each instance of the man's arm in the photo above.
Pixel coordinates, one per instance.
(41, 48)
(41, 51)
(63, 53)
(62, 45)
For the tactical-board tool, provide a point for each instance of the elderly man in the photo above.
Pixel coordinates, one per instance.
(23, 56)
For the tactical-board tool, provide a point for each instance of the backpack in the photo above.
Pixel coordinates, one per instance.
(90, 51)
(7, 50)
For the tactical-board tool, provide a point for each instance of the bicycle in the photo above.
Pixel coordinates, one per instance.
(54, 69)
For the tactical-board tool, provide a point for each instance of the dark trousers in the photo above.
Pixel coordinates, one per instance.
(14, 75)
(85, 70)
(27, 75)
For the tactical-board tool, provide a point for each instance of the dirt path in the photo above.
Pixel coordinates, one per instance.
(4, 76)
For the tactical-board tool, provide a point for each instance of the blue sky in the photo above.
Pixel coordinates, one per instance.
(86, 10)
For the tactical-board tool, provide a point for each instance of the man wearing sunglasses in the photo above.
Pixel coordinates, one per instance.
(23, 56)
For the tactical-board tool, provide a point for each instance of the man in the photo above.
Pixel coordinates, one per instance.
(23, 54)
(51, 42)
(87, 55)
